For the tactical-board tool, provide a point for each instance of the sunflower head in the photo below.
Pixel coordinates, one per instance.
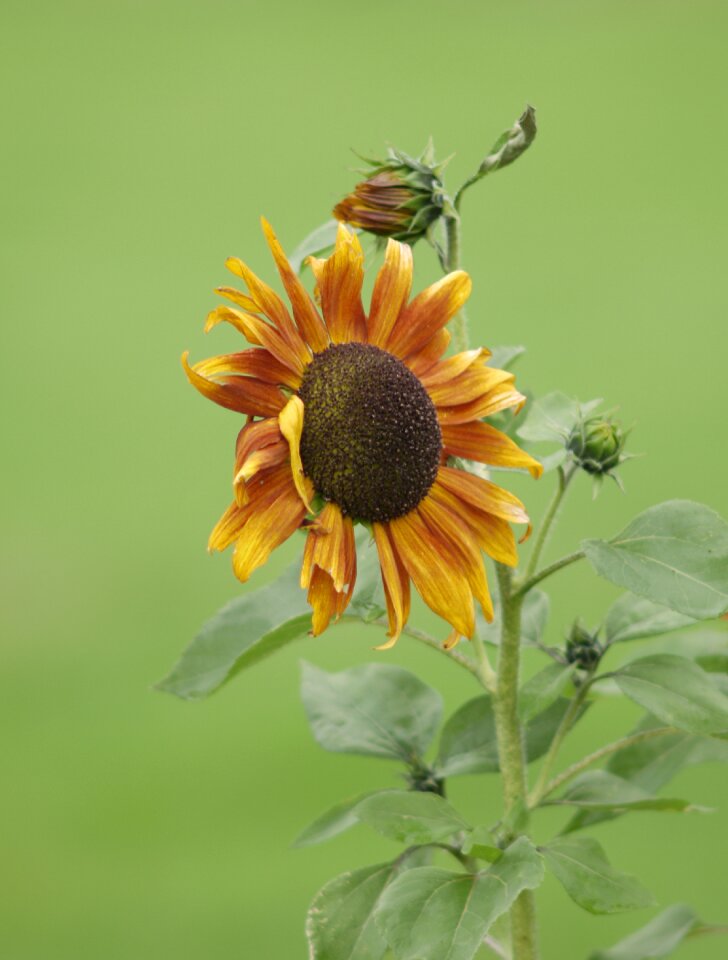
(597, 445)
(401, 197)
(351, 415)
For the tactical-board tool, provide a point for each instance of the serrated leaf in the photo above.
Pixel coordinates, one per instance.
(376, 710)
(655, 940)
(675, 554)
(601, 790)
(241, 634)
(635, 618)
(340, 923)
(677, 691)
(332, 822)
(429, 913)
(316, 243)
(411, 817)
(534, 617)
(538, 693)
(581, 867)
(468, 741)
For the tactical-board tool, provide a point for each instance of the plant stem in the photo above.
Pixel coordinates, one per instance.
(529, 584)
(564, 477)
(538, 792)
(460, 659)
(486, 673)
(511, 755)
(614, 747)
(460, 321)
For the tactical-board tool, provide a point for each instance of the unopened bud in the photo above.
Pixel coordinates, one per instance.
(597, 445)
(583, 648)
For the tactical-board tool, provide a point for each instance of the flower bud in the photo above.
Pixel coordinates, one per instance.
(423, 779)
(597, 445)
(402, 198)
(583, 648)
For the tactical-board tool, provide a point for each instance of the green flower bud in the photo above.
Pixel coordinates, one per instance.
(424, 780)
(583, 648)
(401, 198)
(597, 445)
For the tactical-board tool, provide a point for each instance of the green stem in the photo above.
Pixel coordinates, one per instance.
(614, 747)
(460, 659)
(460, 321)
(529, 584)
(539, 791)
(511, 754)
(564, 477)
(486, 673)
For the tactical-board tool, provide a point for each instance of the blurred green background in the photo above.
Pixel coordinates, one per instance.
(142, 141)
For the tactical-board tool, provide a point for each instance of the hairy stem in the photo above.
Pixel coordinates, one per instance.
(460, 321)
(564, 478)
(459, 658)
(531, 582)
(605, 751)
(486, 673)
(511, 754)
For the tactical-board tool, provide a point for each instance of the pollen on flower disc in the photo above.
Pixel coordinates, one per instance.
(371, 441)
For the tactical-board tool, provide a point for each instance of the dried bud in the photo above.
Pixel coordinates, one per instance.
(423, 779)
(583, 648)
(597, 445)
(402, 198)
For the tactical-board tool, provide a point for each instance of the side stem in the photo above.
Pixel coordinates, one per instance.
(511, 752)
(460, 322)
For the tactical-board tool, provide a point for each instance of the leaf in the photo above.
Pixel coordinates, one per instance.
(534, 616)
(317, 242)
(676, 691)
(675, 554)
(478, 843)
(634, 618)
(368, 602)
(538, 693)
(581, 867)
(330, 824)
(503, 358)
(411, 817)
(468, 741)
(340, 923)
(433, 914)
(657, 939)
(378, 710)
(553, 417)
(511, 143)
(242, 633)
(600, 790)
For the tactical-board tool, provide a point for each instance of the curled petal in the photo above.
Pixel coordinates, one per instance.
(257, 331)
(267, 527)
(396, 584)
(290, 421)
(329, 566)
(241, 394)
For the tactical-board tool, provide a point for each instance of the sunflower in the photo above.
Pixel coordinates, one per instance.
(353, 418)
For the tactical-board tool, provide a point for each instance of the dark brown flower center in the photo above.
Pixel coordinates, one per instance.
(371, 441)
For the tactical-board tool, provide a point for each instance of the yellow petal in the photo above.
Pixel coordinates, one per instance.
(290, 421)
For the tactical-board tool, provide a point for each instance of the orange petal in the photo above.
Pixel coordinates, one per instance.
(423, 359)
(391, 291)
(476, 381)
(267, 527)
(449, 369)
(235, 296)
(227, 528)
(258, 331)
(500, 398)
(306, 315)
(396, 584)
(435, 571)
(329, 566)
(339, 281)
(429, 312)
(492, 534)
(482, 442)
(290, 421)
(254, 363)
(242, 394)
(236, 319)
(269, 303)
(483, 494)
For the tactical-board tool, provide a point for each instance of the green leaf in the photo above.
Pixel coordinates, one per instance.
(634, 618)
(334, 821)
(429, 913)
(675, 554)
(657, 939)
(676, 691)
(534, 616)
(377, 710)
(581, 866)
(368, 602)
(600, 790)
(503, 358)
(340, 923)
(538, 693)
(511, 143)
(478, 843)
(411, 817)
(468, 741)
(245, 631)
(317, 242)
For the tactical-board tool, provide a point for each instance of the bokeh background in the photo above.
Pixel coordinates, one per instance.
(143, 139)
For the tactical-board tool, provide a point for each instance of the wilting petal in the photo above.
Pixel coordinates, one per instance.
(306, 315)
(483, 494)
(241, 394)
(429, 312)
(290, 421)
(391, 292)
(396, 584)
(482, 442)
(434, 570)
(339, 281)
(329, 566)
(267, 527)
